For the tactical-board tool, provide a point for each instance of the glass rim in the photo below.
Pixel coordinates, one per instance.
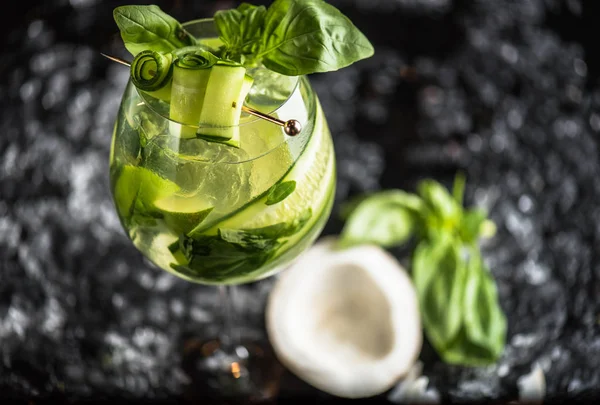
(149, 99)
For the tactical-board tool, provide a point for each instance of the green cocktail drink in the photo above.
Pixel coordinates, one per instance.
(206, 182)
(205, 210)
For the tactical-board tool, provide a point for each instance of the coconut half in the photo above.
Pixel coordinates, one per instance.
(345, 321)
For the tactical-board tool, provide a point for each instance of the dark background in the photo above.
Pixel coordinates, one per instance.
(506, 91)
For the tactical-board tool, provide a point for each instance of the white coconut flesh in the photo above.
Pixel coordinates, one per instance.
(345, 321)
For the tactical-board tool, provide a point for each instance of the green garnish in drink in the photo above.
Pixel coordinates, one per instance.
(204, 190)
(191, 71)
(225, 91)
(291, 37)
(152, 73)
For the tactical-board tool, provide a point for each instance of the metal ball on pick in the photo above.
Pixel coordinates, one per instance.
(292, 127)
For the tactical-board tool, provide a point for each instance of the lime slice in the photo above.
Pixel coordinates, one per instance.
(314, 173)
(158, 250)
(137, 187)
(183, 213)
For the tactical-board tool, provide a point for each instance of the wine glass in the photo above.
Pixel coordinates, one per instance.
(218, 214)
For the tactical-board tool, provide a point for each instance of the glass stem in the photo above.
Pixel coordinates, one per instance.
(227, 335)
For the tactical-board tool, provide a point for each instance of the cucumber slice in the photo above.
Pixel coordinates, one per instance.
(152, 73)
(226, 91)
(191, 73)
(187, 98)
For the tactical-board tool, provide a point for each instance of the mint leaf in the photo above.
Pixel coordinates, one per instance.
(309, 36)
(385, 219)
(149, 28)
(280, 192)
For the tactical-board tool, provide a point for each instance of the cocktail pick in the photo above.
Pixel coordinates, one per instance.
(290, 127)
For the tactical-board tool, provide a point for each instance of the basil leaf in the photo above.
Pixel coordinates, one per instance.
(284, 229)
(280, 192)
(228, 24)
(458, 188)
(439, 276)
(240, 29)
(251, 26)
(409, 201)
(219, 260)
(459, 304)
(487, 229)
(309, 36)
(442, 213)
(484, 320)
(148, 27)
(257, 236)
(439, 201)
(349, 206)
(385, 219)
(234, 251)
(471, 223)
(244, 7)
(465, 352)
(247, 241)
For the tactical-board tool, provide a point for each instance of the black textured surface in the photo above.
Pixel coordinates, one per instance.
(506, 90)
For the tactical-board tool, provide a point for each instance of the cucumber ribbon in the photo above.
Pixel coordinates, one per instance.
(191, 71)
(206, 93)
(192, 57)
(152, 72)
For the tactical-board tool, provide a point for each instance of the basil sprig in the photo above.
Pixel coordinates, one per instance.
(149, 28)
(461, 315)
(292, 37)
